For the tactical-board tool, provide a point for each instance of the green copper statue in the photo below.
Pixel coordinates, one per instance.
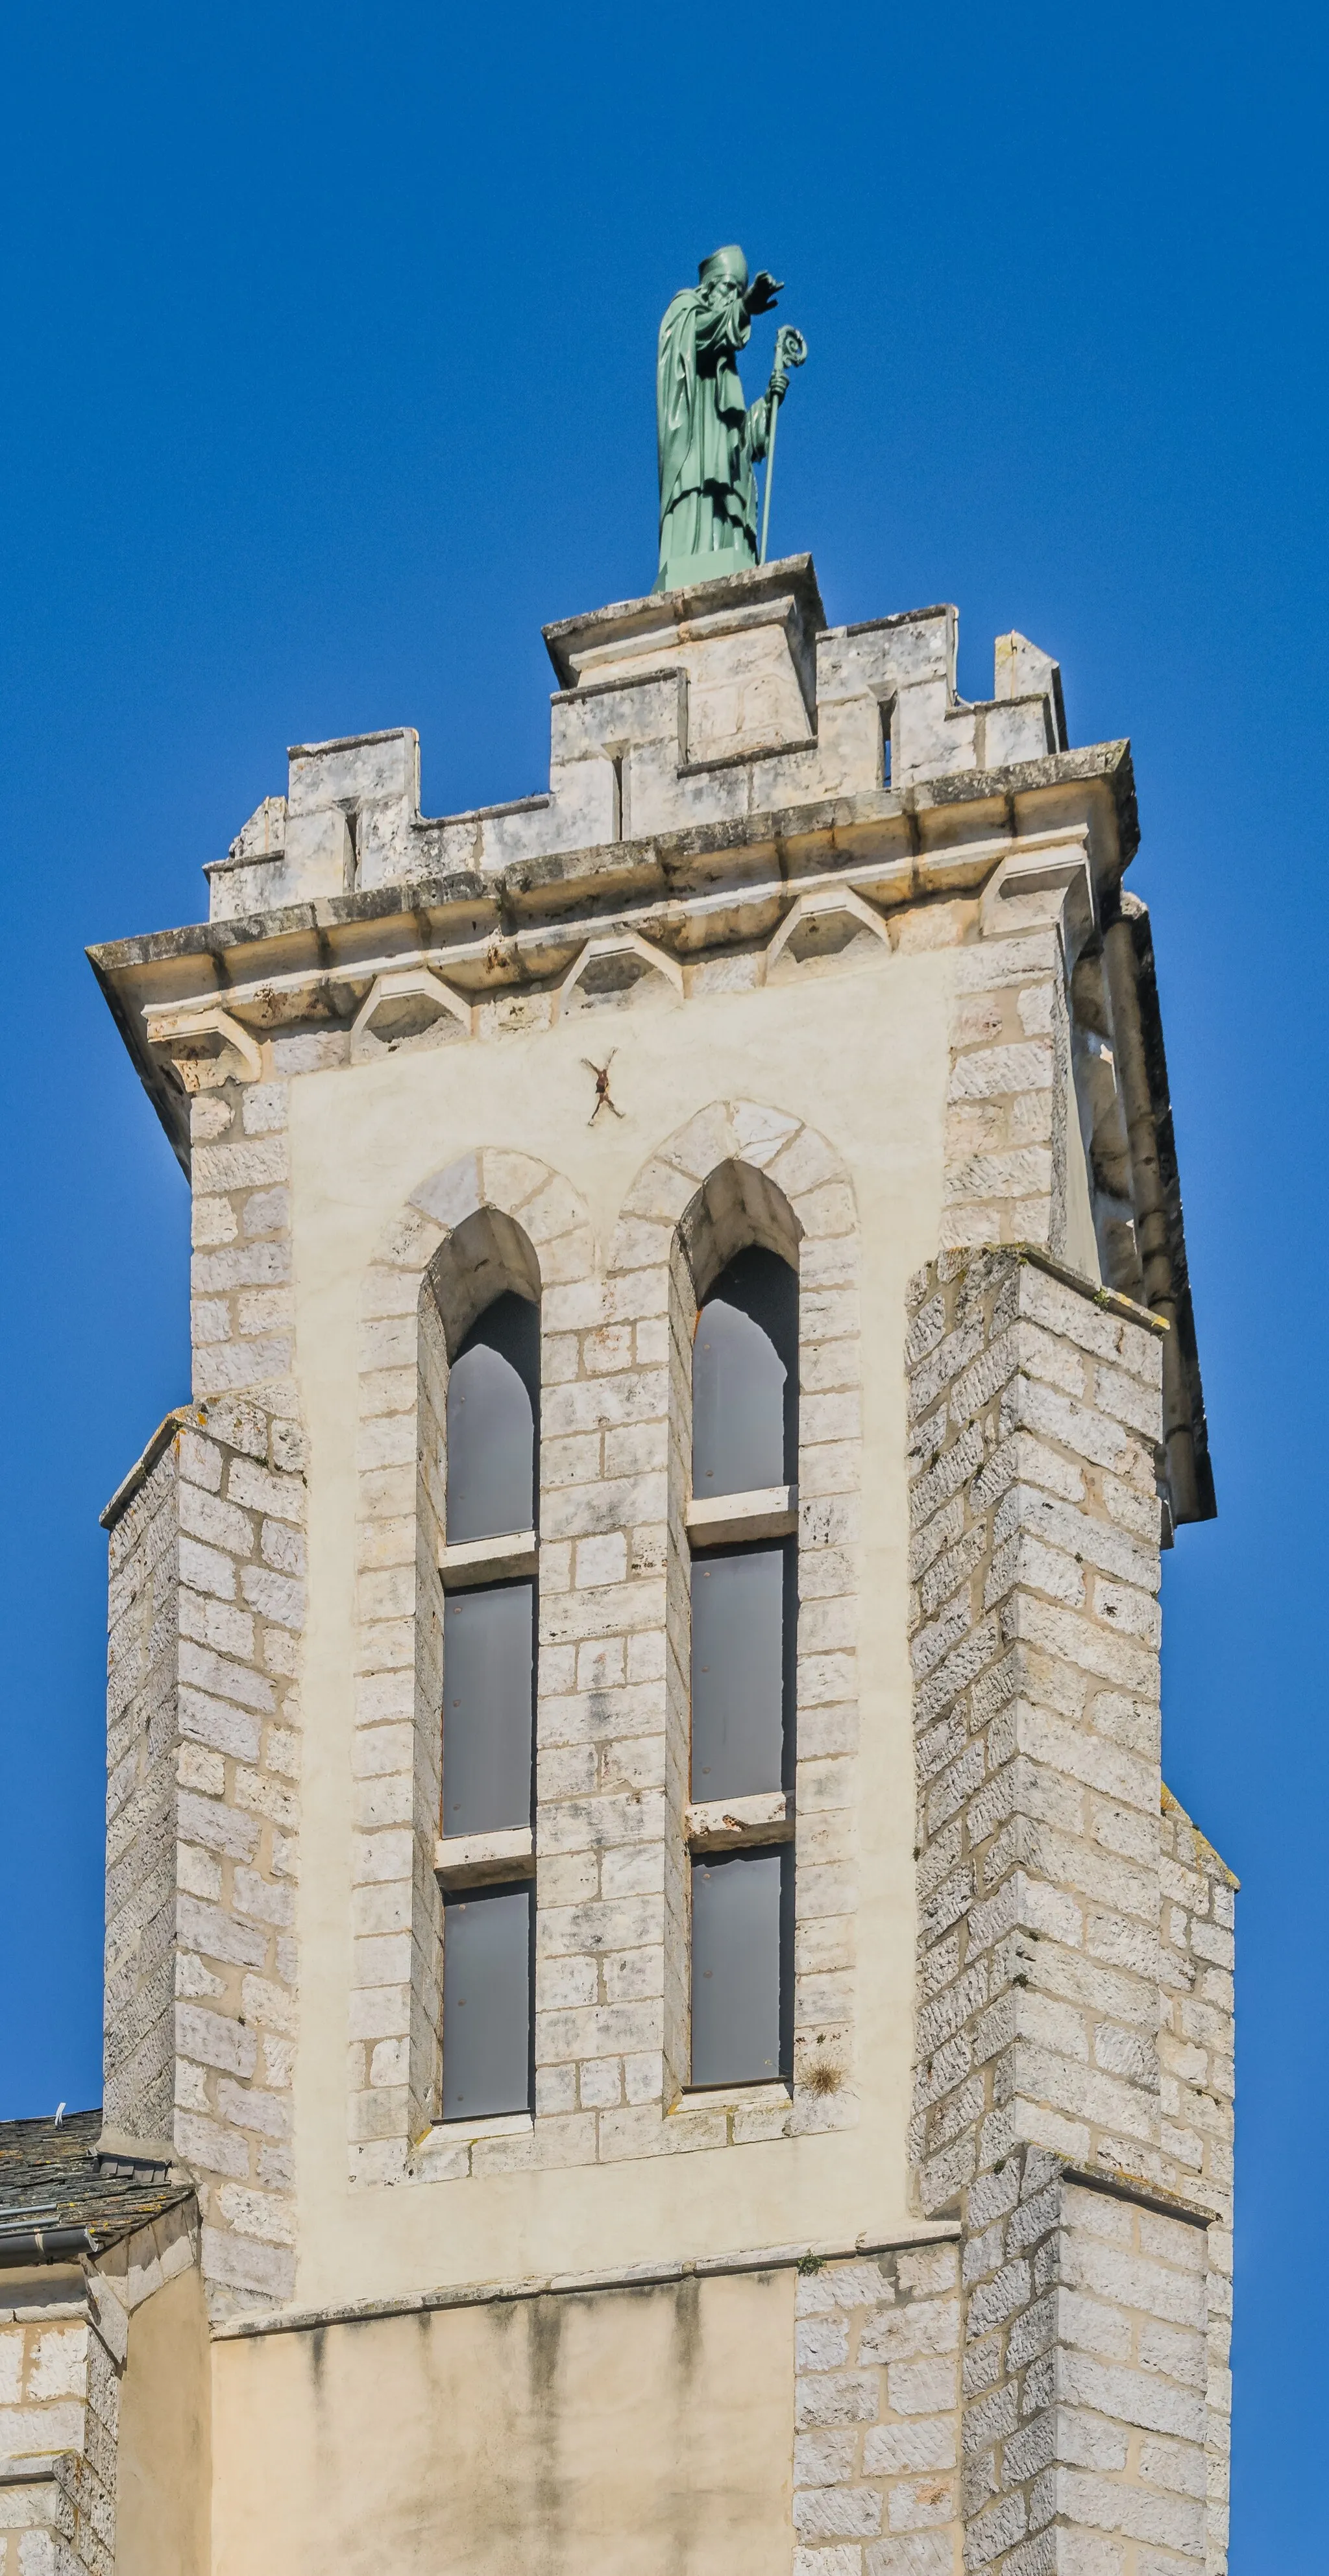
(709, 438)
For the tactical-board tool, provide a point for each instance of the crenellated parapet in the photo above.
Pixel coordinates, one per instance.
(696, 708)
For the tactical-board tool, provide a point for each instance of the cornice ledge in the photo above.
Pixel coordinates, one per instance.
(654, 863)
(1109, 761)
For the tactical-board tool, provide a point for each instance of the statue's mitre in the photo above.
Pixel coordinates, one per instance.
(728, 262)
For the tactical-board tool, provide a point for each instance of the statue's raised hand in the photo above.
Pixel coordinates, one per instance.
(761, 295)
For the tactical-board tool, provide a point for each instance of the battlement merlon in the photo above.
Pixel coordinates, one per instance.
(711, 742)
(722, 762)
(696, 708)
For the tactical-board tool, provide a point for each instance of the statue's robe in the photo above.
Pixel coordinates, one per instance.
(709, 439)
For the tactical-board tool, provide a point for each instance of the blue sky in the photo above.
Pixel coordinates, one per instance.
(330, 339)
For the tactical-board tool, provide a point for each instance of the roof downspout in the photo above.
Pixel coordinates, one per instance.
(43, 2244)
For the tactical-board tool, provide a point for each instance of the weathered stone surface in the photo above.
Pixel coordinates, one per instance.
(1095, 2309)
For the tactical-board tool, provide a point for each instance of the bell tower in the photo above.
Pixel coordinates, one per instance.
(641, 1897)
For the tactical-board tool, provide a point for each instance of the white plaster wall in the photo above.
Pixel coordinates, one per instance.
(863, 1057)
(636, 2433)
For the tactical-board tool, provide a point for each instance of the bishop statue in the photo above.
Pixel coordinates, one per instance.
(709, 438)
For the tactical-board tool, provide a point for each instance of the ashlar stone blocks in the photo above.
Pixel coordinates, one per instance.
(876, 2414)
(612, 1701)
(1073, 2076)
(64, 2340)
(207, 1613)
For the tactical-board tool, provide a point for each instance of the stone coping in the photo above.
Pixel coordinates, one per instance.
(142, 1468)
(624, 620)
(626, 2276)
(1143, 2193)
(1110, 1299)
(1173, 1807)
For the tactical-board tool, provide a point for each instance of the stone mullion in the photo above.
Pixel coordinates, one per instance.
(601, 1992)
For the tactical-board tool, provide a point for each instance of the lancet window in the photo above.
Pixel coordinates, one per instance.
(489, 1638)
(741, 1524)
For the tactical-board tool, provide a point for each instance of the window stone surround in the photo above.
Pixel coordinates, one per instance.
(612, 1955)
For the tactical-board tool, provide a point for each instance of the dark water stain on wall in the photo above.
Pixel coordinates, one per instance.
(687, 2327)
(685, 2355)
(544, 2340)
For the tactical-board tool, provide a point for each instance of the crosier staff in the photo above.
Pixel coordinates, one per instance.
(790, 351)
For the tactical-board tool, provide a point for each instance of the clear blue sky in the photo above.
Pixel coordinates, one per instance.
(330, 342)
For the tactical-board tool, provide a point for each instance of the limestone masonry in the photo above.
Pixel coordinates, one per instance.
(800, 959)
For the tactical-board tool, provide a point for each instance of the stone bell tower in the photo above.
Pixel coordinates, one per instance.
(641, 1897)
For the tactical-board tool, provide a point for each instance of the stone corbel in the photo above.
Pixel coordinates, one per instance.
(1047, 890)
(819, 910)
(204, 1046)
(404, 1007)
(654, 966)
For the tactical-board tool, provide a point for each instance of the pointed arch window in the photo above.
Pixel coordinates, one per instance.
(745, 1378)
(486, 1854)
(493, 1393)
(744, 1617)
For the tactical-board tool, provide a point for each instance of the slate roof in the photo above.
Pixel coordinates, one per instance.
(50, 2181)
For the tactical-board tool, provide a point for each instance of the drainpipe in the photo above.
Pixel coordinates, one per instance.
(44, 2244)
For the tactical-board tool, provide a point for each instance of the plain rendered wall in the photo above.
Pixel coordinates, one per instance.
(162, 2474)
(862, 1055)
(623, 2433)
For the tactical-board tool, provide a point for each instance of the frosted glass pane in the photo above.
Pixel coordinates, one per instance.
(738, 1910)
(738, 1672)
(744, 1379)
(491, 1423)
(488, 1676)
(487, 2003)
